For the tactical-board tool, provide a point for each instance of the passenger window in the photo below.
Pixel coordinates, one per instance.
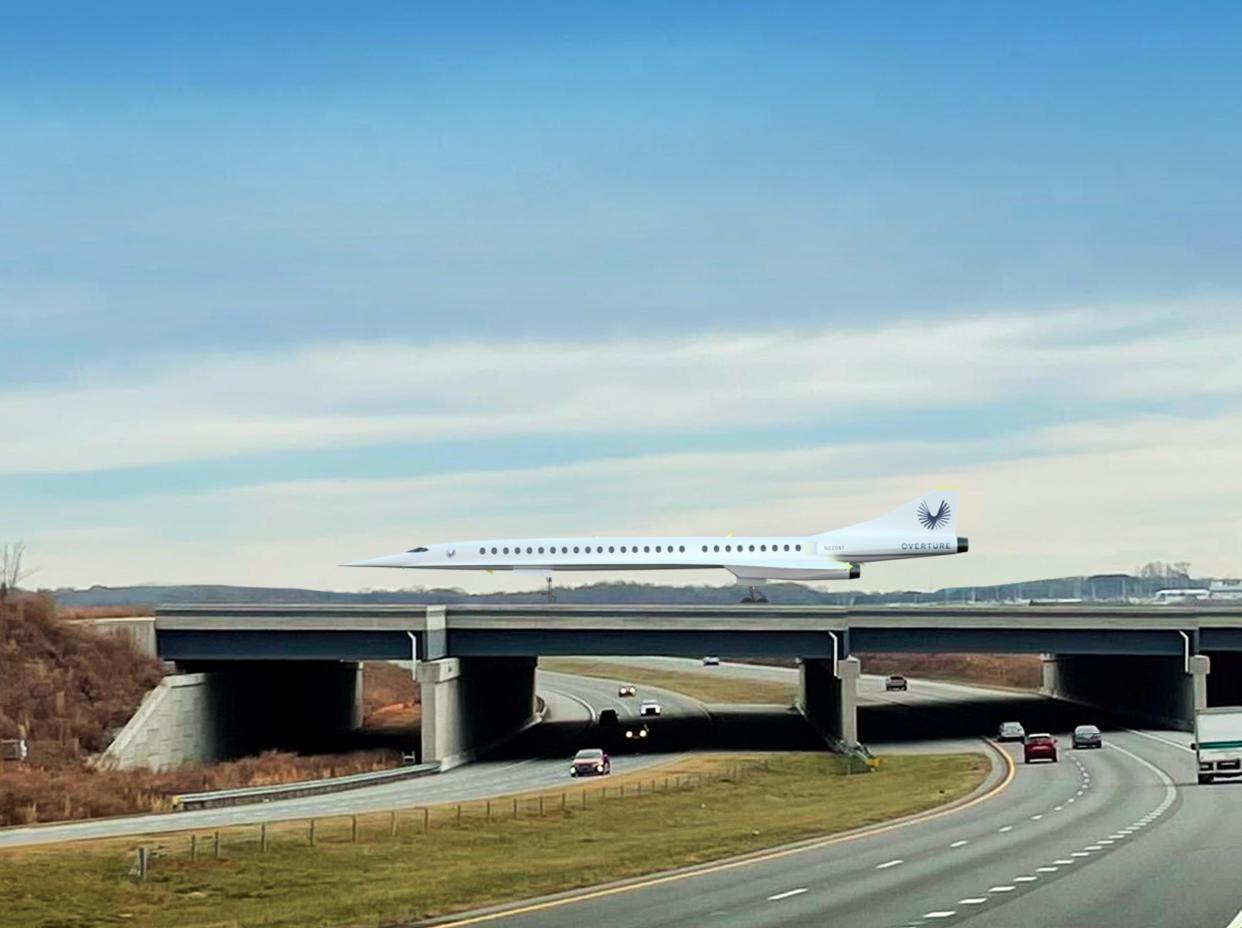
(541, 550)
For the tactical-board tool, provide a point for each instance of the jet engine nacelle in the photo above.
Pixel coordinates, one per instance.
(839, 570)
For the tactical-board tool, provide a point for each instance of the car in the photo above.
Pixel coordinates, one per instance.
(1087, 736)
(627, 689)
(1040, 746)
(637, 733)
(711, 662)
(895, 682)
(590, 762)
(649, 707)
(1011, 731)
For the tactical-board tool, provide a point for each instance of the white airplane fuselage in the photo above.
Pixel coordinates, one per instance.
(922, 528)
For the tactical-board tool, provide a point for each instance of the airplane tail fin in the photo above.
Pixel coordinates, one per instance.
(932, 511)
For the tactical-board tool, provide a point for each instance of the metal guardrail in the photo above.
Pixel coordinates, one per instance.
(235, 797)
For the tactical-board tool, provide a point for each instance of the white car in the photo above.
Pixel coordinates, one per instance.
(1011, 731)
(649, 707)
(627, 689)
(711, 662)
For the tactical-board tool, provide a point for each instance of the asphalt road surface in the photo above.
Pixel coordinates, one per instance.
(537, 760)
(1122, 836)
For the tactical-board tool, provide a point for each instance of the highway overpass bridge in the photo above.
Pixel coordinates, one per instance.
(476, 663)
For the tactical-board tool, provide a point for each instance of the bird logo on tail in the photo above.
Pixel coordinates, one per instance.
(933, 520)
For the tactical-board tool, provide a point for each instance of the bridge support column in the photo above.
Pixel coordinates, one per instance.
(830, 703)
(470, 705)
(1161, 690)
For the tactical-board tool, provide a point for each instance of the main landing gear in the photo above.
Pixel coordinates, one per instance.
(754, 595)
(551, 596)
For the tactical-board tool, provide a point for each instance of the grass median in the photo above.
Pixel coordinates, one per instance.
(365, 874)
(701, 685)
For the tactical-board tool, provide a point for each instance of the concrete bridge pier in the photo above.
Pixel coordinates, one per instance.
(1164, 690)
(472, 704)
(830, 701)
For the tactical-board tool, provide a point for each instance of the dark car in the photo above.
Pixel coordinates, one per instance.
(895, 682)
(590, 762)
(1087, 736)
(1039, 747)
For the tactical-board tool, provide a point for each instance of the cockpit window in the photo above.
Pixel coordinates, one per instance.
(417, 551)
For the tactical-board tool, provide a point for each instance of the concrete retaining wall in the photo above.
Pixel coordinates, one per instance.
(213, 715)
(139, 630)
(173, 726)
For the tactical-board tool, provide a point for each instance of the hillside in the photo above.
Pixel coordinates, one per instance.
(1094, 588)
(67, 691)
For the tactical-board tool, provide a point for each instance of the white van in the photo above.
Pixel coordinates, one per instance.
(1218, 742)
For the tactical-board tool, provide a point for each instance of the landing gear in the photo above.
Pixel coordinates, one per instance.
(754, 595)
(551, 596)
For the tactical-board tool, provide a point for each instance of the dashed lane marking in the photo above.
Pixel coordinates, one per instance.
(1025, 879)
(1047, 869)
(961, 843)
(1006, 828)
(1036, 818)
(941, 913)
(973, 900)
(1079, 854)
(890, 863)
(787, 894)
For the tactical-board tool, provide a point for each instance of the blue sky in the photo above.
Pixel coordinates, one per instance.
(290, 286)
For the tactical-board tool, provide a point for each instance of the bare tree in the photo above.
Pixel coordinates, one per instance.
(11, 573)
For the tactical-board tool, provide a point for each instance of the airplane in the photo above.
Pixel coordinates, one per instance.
(923, 527)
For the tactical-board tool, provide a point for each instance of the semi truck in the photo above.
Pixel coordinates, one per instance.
(1218, 742)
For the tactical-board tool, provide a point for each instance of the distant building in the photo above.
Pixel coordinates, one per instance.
(1225, 589)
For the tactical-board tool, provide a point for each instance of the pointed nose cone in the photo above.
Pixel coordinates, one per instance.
(388, 560)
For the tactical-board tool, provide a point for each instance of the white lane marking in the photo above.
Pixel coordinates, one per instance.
(1006, 828)
(1079, 854)
(1235, 922)
(1071, 799)
(1064, 861)
(787, 894)
(891, 863)
(973, 900)
(946, 913)
(1093, 847)
(1107, 841)
(1001, 889)
(1036, 818)
(1047, 869)
(1058, 808)
(1169, 742)
(961, 843)
(1025, 879)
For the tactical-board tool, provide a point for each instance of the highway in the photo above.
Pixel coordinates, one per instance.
(538, 760)
(1121, 836)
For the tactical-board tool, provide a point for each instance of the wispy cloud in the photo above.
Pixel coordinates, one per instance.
(213, 406)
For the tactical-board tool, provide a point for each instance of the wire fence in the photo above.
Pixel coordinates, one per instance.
(422, 820)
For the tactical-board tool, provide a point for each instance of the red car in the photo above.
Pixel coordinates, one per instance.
(590, 762)
(1040, 747)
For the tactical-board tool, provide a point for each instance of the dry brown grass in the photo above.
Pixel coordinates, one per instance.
(68, 690)
(1020, 671)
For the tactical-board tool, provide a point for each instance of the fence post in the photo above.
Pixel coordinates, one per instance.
(541, 803)
(353, 829)
(193, 847)
(489, 810)
(263, 836)
(142, 864)
(564, 801)
(426, 820)
(584, 801)
(216, 846)
(515, 807)
(459, 813)
(312, 833)
(392, 824)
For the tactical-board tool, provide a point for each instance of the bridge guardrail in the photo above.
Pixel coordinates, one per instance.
(235, 797)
